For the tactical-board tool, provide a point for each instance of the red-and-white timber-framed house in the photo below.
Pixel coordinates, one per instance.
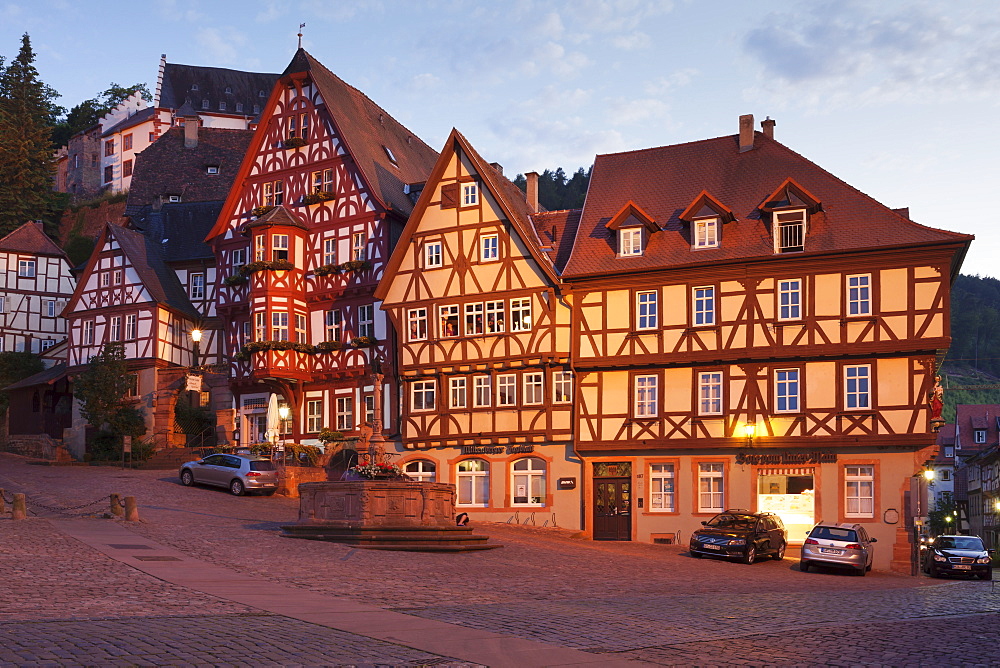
(300, 245)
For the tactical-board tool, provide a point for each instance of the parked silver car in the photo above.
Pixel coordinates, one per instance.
(840, 545)
(239, 473)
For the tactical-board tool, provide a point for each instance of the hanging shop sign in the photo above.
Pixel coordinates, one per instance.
(771, 458)
(495, 449)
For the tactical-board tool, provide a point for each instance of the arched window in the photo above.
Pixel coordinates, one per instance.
(421, 470)
(528, 482)
(473, 483)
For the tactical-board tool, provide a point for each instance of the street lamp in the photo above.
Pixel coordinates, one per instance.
(196, 337)
(929, 475)
(749, 430)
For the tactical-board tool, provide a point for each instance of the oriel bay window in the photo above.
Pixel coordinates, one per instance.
(473, 483)
(711, 487)
(279, 247)
(259, 248)
(300, 328)
(422, 395)
(528, 482)
(279, 326)
(260, 326)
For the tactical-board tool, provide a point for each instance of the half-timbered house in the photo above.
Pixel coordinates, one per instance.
(484, 325)
(300, 245)
(749, 331)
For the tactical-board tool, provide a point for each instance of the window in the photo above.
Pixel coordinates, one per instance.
(300, 328)
(345, 413)
(417, 323)
(473, 478)
(630, 242)
(646, 396)
(314, 415)
(704, 305)
(194, 86)
(473, 319)
(483, 394)
(366, 320)
(279, 247)
(979, 435)
(506, 390)
(212, 169)
(152, 137)
(274, 193)
(859, 491)
(789, 231)
(489, 248)
(645, 308)
(432, 254)
(127, 142)
(109, 148)
(330, 251)
(256, 109)
(109, 174)
(259, 248)
(790, 299)
(245, 333)
(133, 385)
(26, 268)
(222, 106)
(706, 233)
(279, 326)
(470, 194)
(534, 385)
(422, 395)
(421, 470)
(119, 276)
(239, 257)
(204, 104)
(494, 317)
(304, 126)
(786, 392)
(661, 488)
(115, 329)
(711, 487)
(3, 303)
(50, 308)
(457, 387)
(88, 332)
(197, 287)
(520, 314)
(710, 393)
(260, 326)
(859, 295)
(105, 279)
(323, 181)
(261, 94)
(358, 243)
(945, 475)
(292, 126)
(369, 400)
(528, 482)
(239, 107)
(856, 387)
(949, 451)
(389, 154)
(131, 329)
(562, 387)
(334, 325)
(449, 321)
(127, 168)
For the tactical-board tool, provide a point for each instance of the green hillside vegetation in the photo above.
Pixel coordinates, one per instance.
(974, 356)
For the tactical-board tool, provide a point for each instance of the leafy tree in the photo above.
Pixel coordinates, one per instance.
(87, 113)
(26, 164)
(557, 192)
(15, 367)
(944, 507)
(101, 390)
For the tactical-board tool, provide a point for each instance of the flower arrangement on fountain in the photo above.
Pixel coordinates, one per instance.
(372, 470)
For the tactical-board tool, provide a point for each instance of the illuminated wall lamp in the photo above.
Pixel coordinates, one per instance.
(748, 431)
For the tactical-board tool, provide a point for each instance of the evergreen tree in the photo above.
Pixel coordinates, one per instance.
(87, 113)
(556, 191)
(26, 163)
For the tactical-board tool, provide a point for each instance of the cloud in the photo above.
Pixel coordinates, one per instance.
(221, 45)
(424, 82)
(342, 10)
(272, 10)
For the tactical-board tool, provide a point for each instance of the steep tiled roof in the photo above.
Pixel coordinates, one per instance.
(665, 181)
(167, 167)
(945, 436)
(180, 229)
(46, 377)
(556, 230)
(972, 417)
(212, 83)
(147, 257)
(279, 215)
(368, 130)
(138, 117)
(29, 238)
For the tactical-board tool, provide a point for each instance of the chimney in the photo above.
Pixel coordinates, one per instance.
(531, 194)
(767, 126)
(191, 132)
(497, 166)
(746, 132)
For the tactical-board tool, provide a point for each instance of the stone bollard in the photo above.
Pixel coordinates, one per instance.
(131, 511)
(20, 507)
(116, 505)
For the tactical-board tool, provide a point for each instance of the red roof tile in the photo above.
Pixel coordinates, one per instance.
(29, 238)
(556, 230)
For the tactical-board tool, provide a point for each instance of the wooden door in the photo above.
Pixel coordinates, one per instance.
(612, 509)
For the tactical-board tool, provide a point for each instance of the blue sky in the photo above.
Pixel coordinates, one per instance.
(899, 99)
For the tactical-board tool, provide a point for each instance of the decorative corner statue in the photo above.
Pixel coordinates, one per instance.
(937, 404)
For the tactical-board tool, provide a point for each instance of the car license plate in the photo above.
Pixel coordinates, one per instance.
(710, 547)
(828, 550)
(962, 568)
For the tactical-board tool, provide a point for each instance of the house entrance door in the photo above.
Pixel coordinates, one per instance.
(612, 509)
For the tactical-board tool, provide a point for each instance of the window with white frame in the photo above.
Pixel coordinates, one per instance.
(279, 247)
(506, 390)
(495, 317)
(786, 390)
(366, 320)
(857, 386)
(630, 242)
(330, 250)
(449, 321)
(274, 193)
(26, 268)
(711, 487)
(945, 475)
(661, 488)
(473, 319)
(489, 247)
(710, 393)
(562, 387)
(859, 491)
(197, 286)
(859, 295)
(432, 254)
(119, 277)
(279, 326)
(422, 395)
(260, 326)
(790, 299)
(259, 248)
(472, 477)
(416, 319)
(704, 305)
(245, 333)
(979, 435)
(534, 388)
(131, 328)
(88, 332)
(520, 314)
(528, 482)
(334, 325)
(314, 415)
(483, 391)
(105, 279)
(369, 400)
(322, 181)
(304, 126)
(457, 392)
(50, 308)
(300, 328)
(421, 470)
(949, 451)
(470, 194)
(706, 233)
(3, 303)
(115, 328)
(646, 395)
(645, 309)
(789, 231)
(345, 413)
(359, 243)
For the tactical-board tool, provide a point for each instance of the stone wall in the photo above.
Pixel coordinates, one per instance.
(37, 446)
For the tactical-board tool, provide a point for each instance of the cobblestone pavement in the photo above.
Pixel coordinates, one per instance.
(649, 603)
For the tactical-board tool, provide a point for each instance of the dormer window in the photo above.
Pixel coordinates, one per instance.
(706, 233)
(229, 89)
(789, 231)
(630, 242)
(389, 154)
(204, 104)
(979, 435)
(790, 207)
(212, 169)
(194, 86)
(629, 223)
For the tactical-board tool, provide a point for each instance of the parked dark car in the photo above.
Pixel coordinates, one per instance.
(958, 555)
(740, 534)
(240, 474)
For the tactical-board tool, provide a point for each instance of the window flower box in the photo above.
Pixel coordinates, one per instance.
(318, 197)
(239, 278)
(326, 270)
(329, 346)
(259, 211)
(293, 142)
(363, 341)
(355, 265)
